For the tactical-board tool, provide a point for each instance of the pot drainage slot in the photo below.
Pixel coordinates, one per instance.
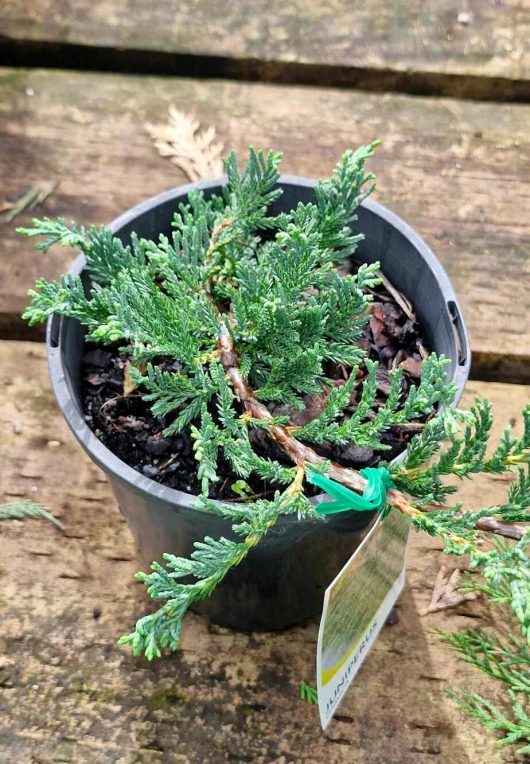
(55, 327)
(458, 331)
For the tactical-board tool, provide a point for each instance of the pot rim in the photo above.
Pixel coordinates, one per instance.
(102, 455)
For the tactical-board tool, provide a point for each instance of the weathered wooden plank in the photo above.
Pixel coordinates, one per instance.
(70, 694)
(457, 171)
(481, 49)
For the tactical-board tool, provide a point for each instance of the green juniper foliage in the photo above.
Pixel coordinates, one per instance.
(506, 660)
(20, 510)
(505, 580)
(308, 693)
(238, 299)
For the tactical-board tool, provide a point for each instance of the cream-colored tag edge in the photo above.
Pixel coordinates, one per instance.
(331, 694)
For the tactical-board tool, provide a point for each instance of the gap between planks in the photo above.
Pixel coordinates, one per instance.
(77, 57)
(456, 154)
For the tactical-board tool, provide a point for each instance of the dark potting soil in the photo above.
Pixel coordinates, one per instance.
(125, 424)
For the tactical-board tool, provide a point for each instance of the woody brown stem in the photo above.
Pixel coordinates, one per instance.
(508, 530)
(301, 454)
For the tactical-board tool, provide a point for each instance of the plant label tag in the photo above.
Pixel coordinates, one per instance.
(356, 606)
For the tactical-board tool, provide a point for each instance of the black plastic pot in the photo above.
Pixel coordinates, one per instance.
(282, 581)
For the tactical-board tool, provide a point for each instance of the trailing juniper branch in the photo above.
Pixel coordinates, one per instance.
(505, 659)
(209, 563)
(252, 312)
(515, 728)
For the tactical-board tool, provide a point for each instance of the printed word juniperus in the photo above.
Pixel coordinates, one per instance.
(255, 309)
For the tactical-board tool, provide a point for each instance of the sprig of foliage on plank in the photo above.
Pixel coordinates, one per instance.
(20, 510)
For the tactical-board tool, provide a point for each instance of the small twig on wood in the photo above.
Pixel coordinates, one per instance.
(35, 195)
(196, 152)
(445, 593)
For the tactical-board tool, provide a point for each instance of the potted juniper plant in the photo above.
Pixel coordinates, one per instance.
(226, 348)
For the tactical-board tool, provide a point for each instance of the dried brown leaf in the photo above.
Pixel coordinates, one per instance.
(412, 366)
(194, 150)
(445, 593)
(129, 386)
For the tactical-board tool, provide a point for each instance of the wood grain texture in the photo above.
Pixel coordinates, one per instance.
(68, 693)
(456, 171)
(479, 38)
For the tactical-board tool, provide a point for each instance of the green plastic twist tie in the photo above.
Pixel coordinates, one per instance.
(373, 497)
